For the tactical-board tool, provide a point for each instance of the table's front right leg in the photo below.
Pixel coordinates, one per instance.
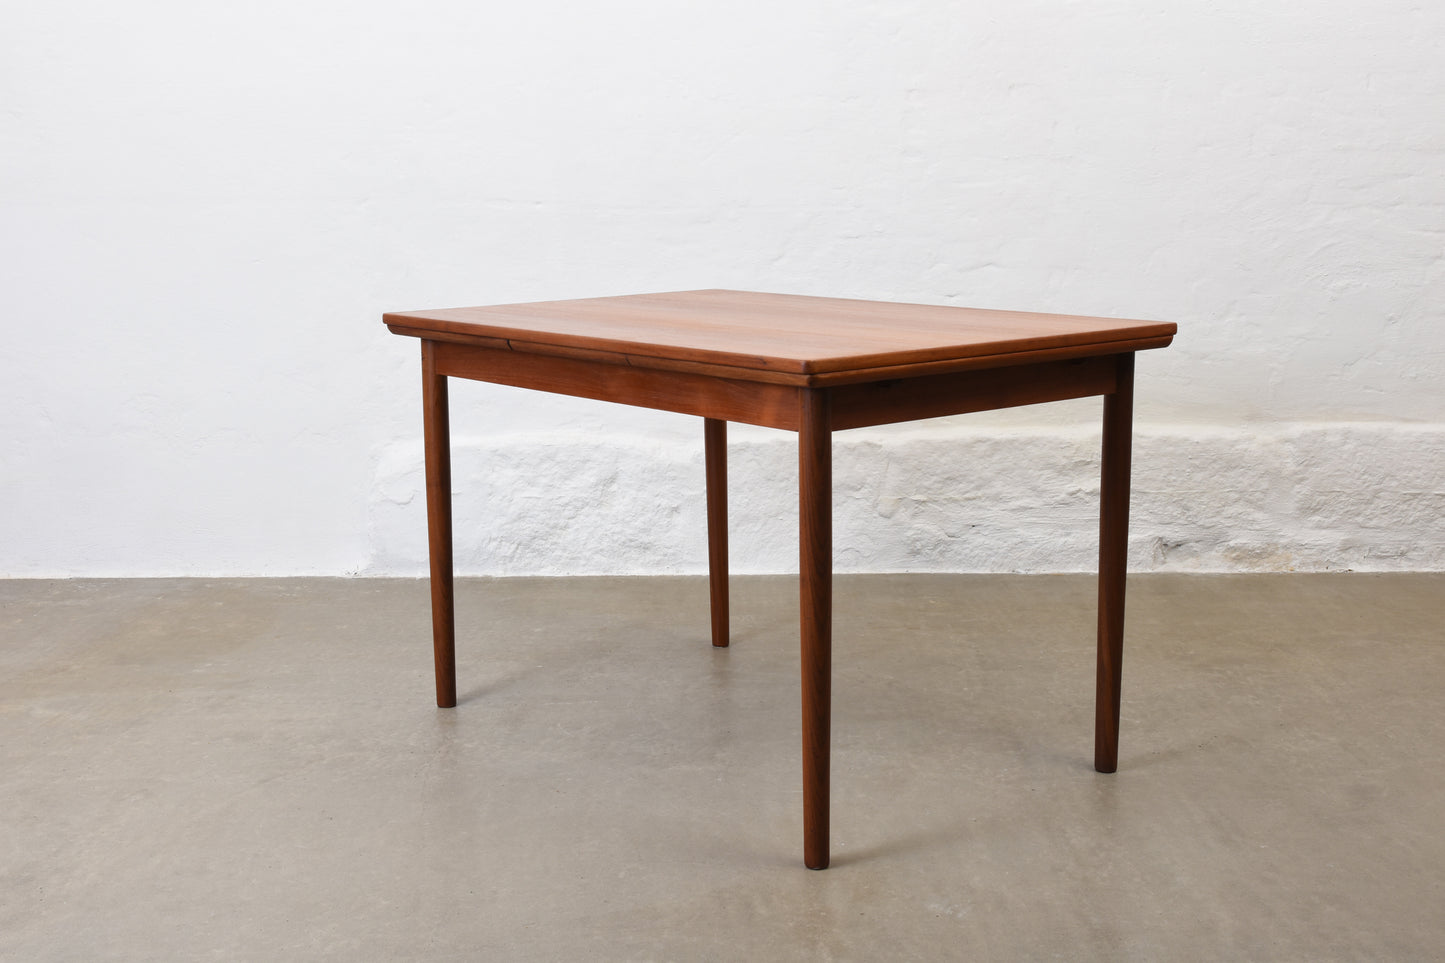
(815, 530)
(437, 433)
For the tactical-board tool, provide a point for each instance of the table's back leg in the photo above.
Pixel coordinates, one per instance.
(815, 530)
(715, 456)
(1113, 558)
(437, 434)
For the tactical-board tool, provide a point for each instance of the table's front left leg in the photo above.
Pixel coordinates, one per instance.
(815, 530)
(437, 433)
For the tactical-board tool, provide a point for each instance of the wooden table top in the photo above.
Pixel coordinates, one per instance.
(782, 337)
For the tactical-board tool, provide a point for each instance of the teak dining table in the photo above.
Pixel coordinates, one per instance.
(806, 364)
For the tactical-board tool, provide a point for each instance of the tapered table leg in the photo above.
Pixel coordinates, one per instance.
(1113, 558)
(815, 530)
(715, 442)
(439, 524)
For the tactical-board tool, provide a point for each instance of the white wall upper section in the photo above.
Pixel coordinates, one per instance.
(205, 207)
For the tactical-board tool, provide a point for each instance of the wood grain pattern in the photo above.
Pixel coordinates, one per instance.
(789, 334)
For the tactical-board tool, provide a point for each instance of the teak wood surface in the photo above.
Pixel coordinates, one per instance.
(810, 365)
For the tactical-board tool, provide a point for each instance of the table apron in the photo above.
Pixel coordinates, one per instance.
(748, 402)
(778, 406)
(933, 396)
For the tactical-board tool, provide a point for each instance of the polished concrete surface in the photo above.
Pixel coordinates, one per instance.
(254, 770)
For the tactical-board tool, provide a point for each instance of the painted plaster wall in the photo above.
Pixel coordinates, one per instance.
(204, 209)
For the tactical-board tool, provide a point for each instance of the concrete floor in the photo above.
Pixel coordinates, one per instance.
(254, 770)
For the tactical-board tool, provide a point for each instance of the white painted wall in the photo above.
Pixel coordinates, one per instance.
(204, 208)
